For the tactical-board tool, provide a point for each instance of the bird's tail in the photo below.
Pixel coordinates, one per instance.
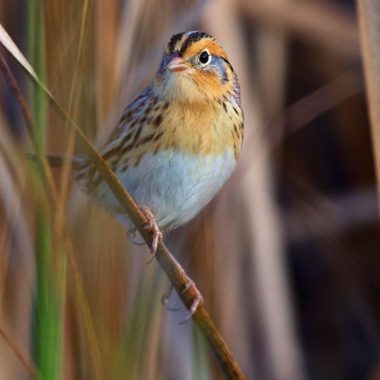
(56, 160)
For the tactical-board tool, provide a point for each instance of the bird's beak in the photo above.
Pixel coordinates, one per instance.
(177, 64)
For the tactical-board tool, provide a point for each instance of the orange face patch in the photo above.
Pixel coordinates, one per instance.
(208, 80)
(197, 47)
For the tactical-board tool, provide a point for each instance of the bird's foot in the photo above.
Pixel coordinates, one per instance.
(166, 298)
(151, 226)
(190, 285)
(131, 234)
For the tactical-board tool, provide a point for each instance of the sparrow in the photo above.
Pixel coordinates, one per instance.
(177, 142)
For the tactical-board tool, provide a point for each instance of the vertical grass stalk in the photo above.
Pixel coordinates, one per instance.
(48, 304)
(50, 260)
(36, 49)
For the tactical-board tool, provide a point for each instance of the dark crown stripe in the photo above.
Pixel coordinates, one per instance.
(173, 41)
(191, 39)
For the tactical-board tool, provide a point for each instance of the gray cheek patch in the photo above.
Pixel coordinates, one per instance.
(219, 65)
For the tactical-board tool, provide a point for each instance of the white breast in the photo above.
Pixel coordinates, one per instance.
(174, 185)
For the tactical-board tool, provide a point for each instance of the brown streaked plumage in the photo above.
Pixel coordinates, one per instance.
(177, 143)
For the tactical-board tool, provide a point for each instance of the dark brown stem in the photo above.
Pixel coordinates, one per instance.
(18, 94)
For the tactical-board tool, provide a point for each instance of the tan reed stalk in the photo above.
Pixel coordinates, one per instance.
(369, 25)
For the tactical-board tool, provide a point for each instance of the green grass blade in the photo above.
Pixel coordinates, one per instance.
(50, 264)
(48, 303)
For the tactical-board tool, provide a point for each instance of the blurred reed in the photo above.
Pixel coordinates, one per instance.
(369, 22)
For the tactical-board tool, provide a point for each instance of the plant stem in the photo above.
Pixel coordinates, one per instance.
(369, 24)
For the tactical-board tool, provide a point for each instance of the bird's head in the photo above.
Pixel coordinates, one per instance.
(195, 68)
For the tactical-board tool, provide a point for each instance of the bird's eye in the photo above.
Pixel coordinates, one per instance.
(204, 57)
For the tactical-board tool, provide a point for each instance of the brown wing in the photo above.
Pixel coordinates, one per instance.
(138, 127)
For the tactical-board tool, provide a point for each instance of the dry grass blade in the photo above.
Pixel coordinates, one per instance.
(8, 43)
(174, 271)
(11, 47)
(66, 169)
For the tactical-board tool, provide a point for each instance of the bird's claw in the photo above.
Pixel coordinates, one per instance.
(196, 301)
(131, 234)
(165, 300)
(151, 225)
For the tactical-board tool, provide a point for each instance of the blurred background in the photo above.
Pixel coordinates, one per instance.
(286, 256)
